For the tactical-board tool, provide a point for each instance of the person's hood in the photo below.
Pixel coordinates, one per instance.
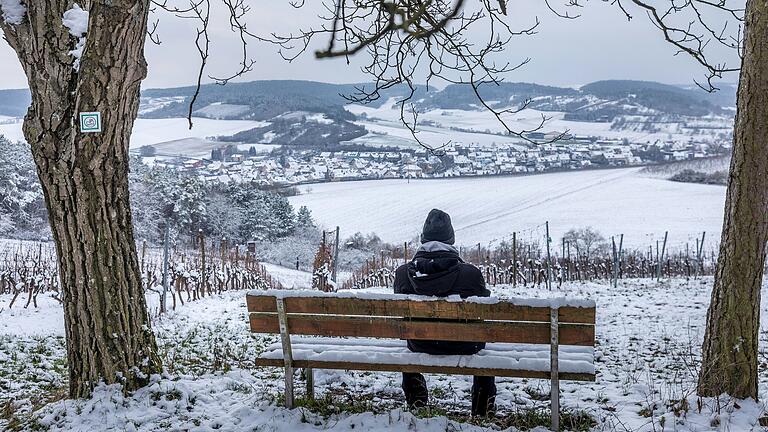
(436, 246)
(434, 269)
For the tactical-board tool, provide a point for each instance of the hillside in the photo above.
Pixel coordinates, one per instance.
(598, 101)
(263, 100)
(257, 100)
(487, 210)
(302, 128)
(288, 112)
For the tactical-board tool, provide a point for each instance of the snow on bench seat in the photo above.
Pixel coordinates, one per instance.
(574, 361)
(383, 293)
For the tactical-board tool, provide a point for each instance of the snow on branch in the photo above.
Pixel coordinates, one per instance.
(13, 11)
(76, 20)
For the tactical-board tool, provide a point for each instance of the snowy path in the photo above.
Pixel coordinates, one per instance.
(289, 278)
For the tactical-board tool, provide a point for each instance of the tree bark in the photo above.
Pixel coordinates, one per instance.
(85, 181)
(729, 353)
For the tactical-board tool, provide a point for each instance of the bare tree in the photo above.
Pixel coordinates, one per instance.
(91, 59)
(85, 176)
(730, 351)
(584, 240)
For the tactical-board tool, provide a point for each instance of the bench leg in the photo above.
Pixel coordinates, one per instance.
(554, 372)
(289, 387)
(285, 338)
(310, 376)
(555, 398)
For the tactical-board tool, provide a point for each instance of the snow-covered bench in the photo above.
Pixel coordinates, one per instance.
(356, 330)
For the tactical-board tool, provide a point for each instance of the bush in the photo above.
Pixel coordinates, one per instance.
(692, 176)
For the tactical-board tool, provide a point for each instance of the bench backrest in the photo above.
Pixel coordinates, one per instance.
(411, 317)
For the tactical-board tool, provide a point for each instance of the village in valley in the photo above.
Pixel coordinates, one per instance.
(282, 167)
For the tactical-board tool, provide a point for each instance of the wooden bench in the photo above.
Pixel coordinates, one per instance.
(521, 334)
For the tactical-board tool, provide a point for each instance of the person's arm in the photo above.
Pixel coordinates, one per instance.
(401, 279)
(481, 290)
(472, 283)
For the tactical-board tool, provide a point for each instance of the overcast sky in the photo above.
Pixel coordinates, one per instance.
(601, 44)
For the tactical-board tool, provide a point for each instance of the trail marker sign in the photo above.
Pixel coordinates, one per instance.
(90, 122)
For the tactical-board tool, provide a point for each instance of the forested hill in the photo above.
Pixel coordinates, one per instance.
(257, 100)
(264, 100)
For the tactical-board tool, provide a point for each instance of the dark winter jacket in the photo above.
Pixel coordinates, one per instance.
(438, 270)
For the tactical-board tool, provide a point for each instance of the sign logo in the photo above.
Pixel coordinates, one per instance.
(90, 122)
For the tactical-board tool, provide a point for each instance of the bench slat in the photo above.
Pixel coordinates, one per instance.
(396, 328)
(419, 309)
(449, 370)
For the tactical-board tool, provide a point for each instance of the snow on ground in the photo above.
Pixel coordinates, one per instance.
(386, 118)
(159, 131)
(222, 110)
(289, 278)
(12, 130)
(259, 148)
(393, 133)
(648, 341)
(156, 131)
(489, 208)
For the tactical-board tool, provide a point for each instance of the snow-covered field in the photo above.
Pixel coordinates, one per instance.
(647, 354)
(490, 208)
(12, 130)
(393, 133)
(158, 131)
(386, 119)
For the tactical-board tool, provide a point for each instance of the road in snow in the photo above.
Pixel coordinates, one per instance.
(490, 208)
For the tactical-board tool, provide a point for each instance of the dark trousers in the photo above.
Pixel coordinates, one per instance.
(483, 393)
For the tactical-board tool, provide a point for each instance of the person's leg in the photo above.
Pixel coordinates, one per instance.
(483, 396)
(415, 389)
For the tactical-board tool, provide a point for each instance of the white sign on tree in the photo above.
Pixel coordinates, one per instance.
(90, 122)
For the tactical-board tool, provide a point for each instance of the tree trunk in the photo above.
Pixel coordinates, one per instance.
(85, 181)
(729, 353)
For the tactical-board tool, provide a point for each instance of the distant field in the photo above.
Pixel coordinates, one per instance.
(12, 131)
(158, 131)
(386, 119)
(484, 209)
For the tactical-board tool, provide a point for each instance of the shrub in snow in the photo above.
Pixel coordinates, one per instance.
(321, 269)
(304, 217)
(22, 208)
(301, 246)
(238, 212)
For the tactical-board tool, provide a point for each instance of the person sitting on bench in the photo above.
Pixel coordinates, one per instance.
(438, 270)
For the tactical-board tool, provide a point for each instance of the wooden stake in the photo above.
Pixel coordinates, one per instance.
(514, 259)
